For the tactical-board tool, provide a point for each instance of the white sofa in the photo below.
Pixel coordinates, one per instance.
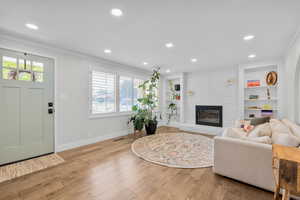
(245, 161)
(247, 157)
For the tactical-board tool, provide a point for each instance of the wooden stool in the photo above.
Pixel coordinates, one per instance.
(286, 170)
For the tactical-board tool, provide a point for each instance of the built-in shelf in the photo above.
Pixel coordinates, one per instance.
(176, 79)
(261, 87)
(259, 109)
(260, 99)
(175, 100)
(267, 96)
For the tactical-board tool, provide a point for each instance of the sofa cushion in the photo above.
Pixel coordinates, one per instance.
(285, 139)
(281, 134)
(238, 133)
(263, 139)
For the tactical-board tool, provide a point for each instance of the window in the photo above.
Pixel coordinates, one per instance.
(137, 92)
(126, 93)
(107, 97)
(37, 70)
(21, 69)
(9, 68)
(103, 92)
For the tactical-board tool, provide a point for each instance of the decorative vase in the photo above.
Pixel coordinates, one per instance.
(268, 94)
(151, 127)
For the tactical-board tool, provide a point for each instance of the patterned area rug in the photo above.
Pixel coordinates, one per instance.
(15, 170)
(180, 150)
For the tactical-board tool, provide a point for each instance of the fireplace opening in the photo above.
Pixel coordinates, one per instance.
(209, 115)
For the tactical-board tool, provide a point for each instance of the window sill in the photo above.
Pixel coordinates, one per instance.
(109, 115)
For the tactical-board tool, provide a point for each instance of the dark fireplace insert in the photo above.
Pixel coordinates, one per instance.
(209, 115)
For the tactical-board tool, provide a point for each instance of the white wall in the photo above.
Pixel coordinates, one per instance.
(73, 127)
(292, 61)
(211, 88)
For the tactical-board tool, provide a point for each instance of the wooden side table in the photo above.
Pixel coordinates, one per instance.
(286, 170)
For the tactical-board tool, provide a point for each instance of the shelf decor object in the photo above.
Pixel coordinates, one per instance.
(177, 87)
(266, 113)
(271, 78)
(190, 93)
(251, 116)
(253, 83)
(253, 97)
(268, 93)
(267, 107)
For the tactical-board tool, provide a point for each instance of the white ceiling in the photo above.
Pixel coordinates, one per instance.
(209, 30)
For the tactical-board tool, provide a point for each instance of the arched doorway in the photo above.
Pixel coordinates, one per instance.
(297, 92)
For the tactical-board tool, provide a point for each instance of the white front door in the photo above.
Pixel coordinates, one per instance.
(26, 106)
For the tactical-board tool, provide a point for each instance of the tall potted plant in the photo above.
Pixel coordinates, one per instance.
(145, 114)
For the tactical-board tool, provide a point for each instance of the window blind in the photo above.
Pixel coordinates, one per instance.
(126, 93)
(103, 92)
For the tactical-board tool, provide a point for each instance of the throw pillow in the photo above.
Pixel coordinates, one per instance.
(254, 133)
(241, 123)
(278, 126)
(259, 120)
(261, 130)
(281, 134)
(248, 128)
(265, 130)
(293, 127)
(234, 132)
(238, 133)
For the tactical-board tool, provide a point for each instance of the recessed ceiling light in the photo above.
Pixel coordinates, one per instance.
(248, 37)
(194, 60)
(116, 12)
(168, 71)
(252, 56)
(32, 26)
(145, 63)
(169, 45)
(108, 51)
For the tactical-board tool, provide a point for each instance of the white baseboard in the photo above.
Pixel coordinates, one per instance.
(209, 130)
(80, 143)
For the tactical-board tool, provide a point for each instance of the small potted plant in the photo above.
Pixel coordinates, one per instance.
(145, 114)
(172, 107)
(172, 111)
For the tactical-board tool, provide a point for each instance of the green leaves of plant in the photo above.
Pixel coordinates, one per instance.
(144, 110)
(134, 108)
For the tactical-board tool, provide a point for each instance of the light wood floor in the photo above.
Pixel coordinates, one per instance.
(109, 171)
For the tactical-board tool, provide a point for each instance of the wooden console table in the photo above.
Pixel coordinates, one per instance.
(286, 170)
